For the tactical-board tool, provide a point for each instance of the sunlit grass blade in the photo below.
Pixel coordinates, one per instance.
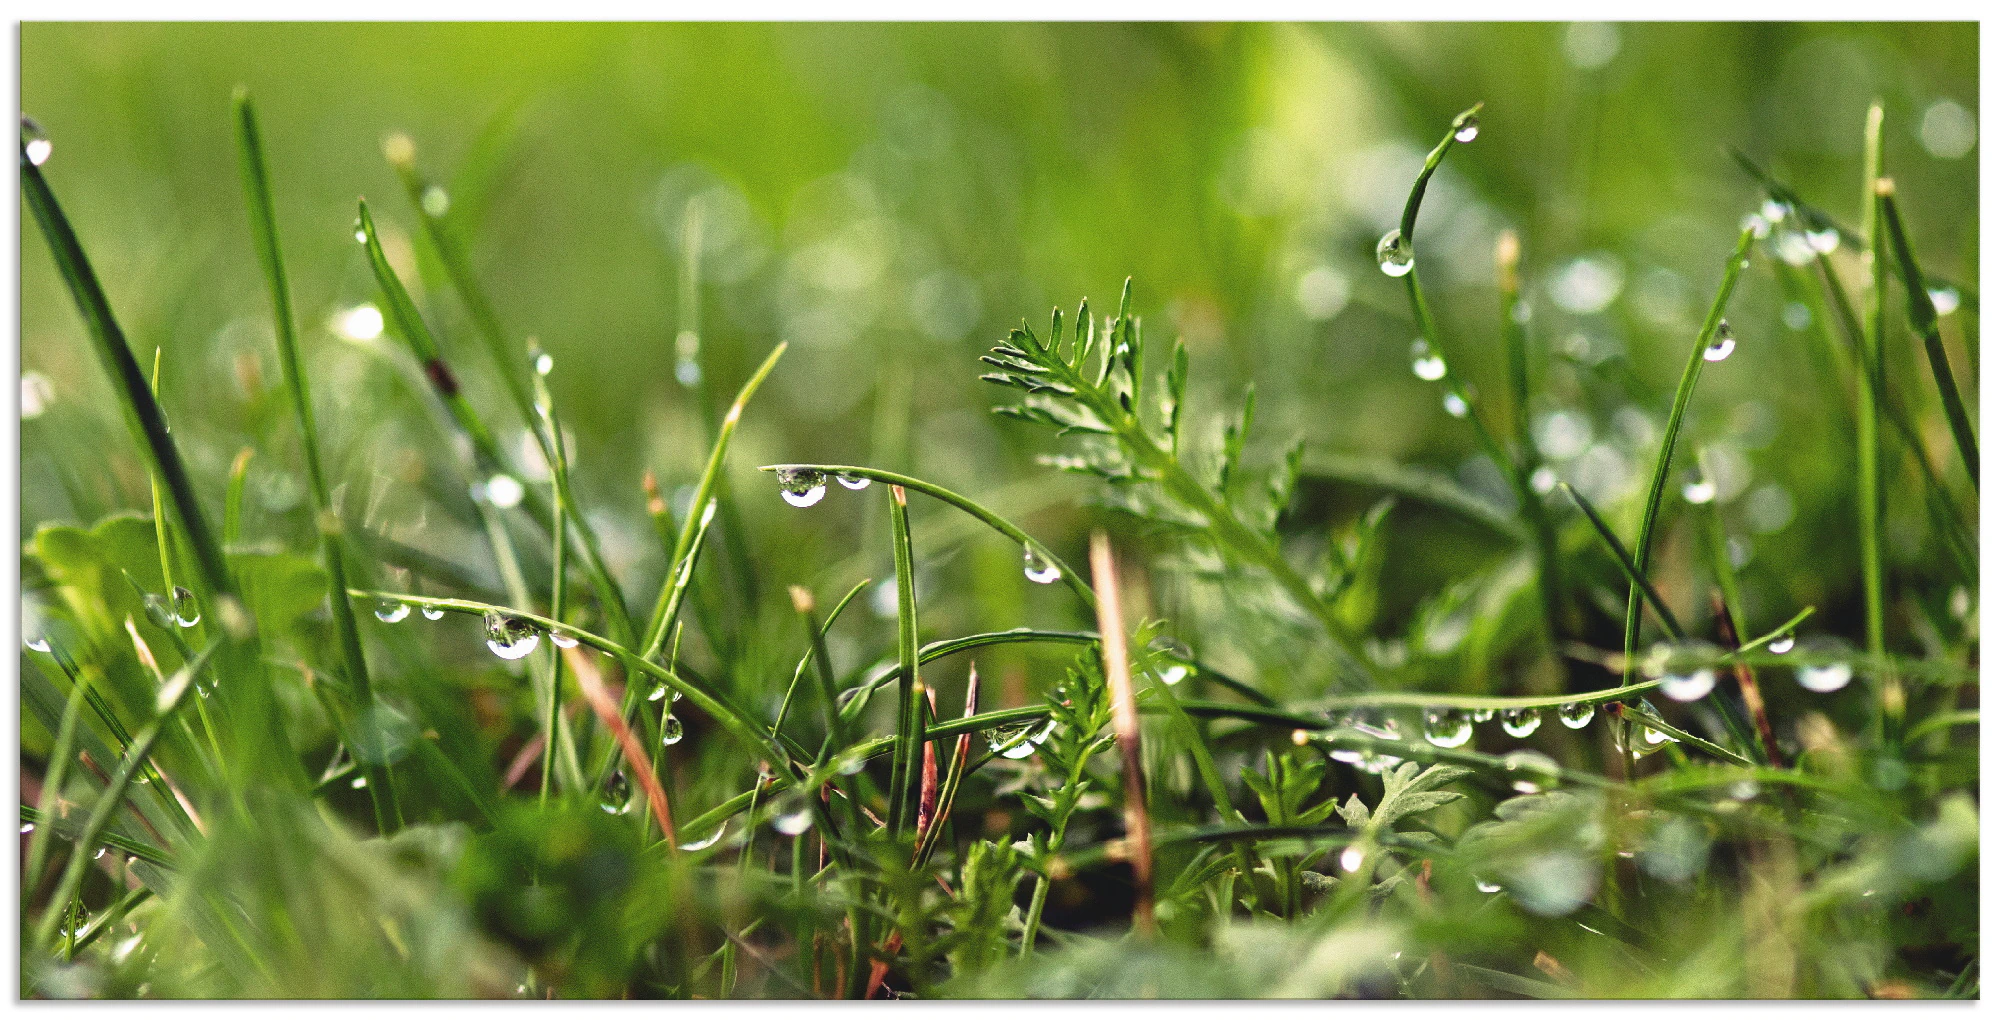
(1924, 319)
(1663, 464)
(332, 546)
(1125, 723)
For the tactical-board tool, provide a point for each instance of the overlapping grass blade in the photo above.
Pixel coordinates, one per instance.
(1924, 319)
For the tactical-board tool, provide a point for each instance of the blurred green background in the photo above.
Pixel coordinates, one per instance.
(889, 199)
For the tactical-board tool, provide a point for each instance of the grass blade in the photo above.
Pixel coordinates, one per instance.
(909, 701)
(1875, 257)
(1924, 319)
(1632, 574)
(1683, 395)
(332, 548)
(1125, 722)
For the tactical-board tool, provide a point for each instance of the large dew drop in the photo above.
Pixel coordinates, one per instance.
(1393, 254)
(706, 841)
(1782, 643)
(1447, 727)
(1037, 569)
(1827, 678)
(1688, 686)
(187, 609)
(158, 611)
(1427, 364)
(391, 611)
(1722, 345)
(1520, 722)
(793, 820)
(1698, 491)
(671, 730)
(510, 637)
(801, 486)
(1576, 716)
(852, 481)
(1944, 300)
(1467, 130)
(617, 792)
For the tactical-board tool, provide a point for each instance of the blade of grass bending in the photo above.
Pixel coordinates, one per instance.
(1632, 574)
(332, 554)
(1875, 260)
(1125, 723)
(669, 601)
(909, 703)
(171, 808)
(113, 795)
(1683, 395)
(260, 734)
(401, 154)
(939, 492)
(1924, 319)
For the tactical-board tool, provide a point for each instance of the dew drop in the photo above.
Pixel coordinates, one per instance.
(436, 202)
(562, 640)
(504, 491)
(99, 855)
(801, 486)
(1944, 300)
(617, 793)
(1688, 686)
(1722, 345)
(1037, 569)
(391, 611)
(793, 820)
(687, 372)
(1823, 241)
(358, 783)
(1468, 129)
(706, 841)
(510, 637)
(1455, 405)
(1484, 886)
(851, 481)
(1772, 210)
(1782, 643)
(1543, 480)
(27, 827)
(1393, 254)
(1173, 674)
(1574, 715)
(544, 363)
(1698, 491)
(433, 613)
(1447, 727)
(37, 643)
(360, 233)
(35, 142)
(1350, 859)
(1825, 679)
(1480, 715)
(1520, 722)
(671, 730)
(1426, 364)
(658, 693)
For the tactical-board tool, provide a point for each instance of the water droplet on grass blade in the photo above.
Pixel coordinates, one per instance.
(1782, 643)
(1823, 241)
(671, 730)
(1393, 254)
(1722, 345)
(504, 491)
(1772, 210)
(27, 827)
(544, 364)
(433, 613)
(706, 841)
(1484, 886)
(1037, 569)
(391, 611)
(793, 819)
(358, 783)
(510, 637)
(35, 642)
(158, 611)
(1698, 491)
(1455, 405)
(360, 232)
(1426, 364)
(617, 792)
(1520, 722)
(1350, 859)
(1173, 674)
(658, 693)
(35, 144)
(801, 487)
(1576, 716)
(1825, 679)
(1467, 130)
(562, 640)
(687, 372)
(852, 481)
(1688, 686)
(1944, 300)
(1447, 727)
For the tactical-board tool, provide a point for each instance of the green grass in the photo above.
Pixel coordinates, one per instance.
(1230, 761)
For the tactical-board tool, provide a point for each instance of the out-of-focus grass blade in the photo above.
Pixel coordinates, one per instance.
(909, 702)
(1624, 558)
(332, 548)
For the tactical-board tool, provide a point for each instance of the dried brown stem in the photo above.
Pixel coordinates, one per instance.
(1125, 723)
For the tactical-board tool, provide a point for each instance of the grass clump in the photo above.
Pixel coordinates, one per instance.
(1267, 798)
